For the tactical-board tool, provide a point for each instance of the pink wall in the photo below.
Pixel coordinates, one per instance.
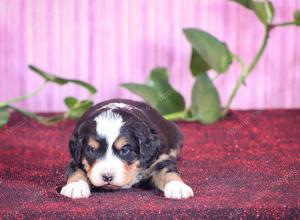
(108, 42)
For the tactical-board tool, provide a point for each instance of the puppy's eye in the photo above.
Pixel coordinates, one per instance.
(90, 149)
(125, 150)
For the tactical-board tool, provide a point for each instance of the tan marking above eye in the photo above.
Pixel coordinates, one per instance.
(120, 142)
(93, 143)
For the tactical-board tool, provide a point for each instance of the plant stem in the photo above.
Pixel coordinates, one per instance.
(284, 24)
(46, 120)
(29, 114)
(261, 50)
(268, 10)
(246, 71)
(24, 97)
(175, 116)
(240, 81)
(240, 61)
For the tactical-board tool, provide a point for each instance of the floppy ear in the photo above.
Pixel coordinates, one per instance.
(75, 147)
(149, 142)
(82, 130)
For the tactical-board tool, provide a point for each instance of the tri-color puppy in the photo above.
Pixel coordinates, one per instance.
(120, 143)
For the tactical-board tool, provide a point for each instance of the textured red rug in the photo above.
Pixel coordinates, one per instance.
(245, 166)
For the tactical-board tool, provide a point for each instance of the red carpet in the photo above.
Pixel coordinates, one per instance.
(245, 166)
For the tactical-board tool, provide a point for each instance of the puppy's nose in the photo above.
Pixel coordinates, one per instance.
(107, 177)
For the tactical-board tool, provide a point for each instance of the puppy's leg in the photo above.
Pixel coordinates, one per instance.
(165, 177)
(77, 184)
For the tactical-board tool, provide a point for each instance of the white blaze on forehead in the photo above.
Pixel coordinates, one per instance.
(115, 105)
(109, 125)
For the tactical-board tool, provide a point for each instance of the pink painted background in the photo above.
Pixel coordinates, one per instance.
(108, 42)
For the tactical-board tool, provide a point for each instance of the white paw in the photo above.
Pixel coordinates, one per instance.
(76, 190)
(178, 190)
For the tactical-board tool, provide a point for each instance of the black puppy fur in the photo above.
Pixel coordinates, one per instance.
(149, 152)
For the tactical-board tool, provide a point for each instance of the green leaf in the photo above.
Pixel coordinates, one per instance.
(245, 3)
(158, 75)
(262, 10)
(146, 92)
(169, 100)
(206, 105)
(47, 76)
(81, 109)
(158, 92)
(297, 17)
(197, 64)
(70, 102)
(214, 52)
(4, 116)
(88, 86)
(62, 81)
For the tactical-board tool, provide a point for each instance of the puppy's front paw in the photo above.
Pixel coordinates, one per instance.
(76, 190)
(178, 190)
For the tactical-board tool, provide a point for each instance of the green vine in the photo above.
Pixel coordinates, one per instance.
(75, 107)
(208, 53)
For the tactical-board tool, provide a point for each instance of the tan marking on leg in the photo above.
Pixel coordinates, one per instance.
(162, 157)
(76, 176)
(163, 177)
(120, 142)
(151, 169)
(173, 153)
(93, 143)
(159, 159)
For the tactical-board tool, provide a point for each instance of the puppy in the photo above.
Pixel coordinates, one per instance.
(120, 143)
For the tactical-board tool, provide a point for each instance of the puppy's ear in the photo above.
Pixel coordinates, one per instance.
(84, 128)
(75, 147)
(149, 141)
